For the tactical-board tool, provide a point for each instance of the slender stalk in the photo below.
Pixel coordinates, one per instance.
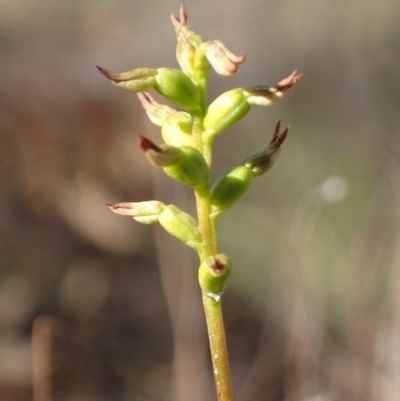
(219, 353)
(212, 307)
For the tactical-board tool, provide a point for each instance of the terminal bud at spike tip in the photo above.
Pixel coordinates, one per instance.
(261, 162)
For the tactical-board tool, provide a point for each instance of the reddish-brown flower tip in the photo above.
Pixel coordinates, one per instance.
(146, 145)
(178, 23)
(113, 76)
(278, 137)
(183, 14)
(124, 208)
(146, 98)
(289, 81)
(148, 102)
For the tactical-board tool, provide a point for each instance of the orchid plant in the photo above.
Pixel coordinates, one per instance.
(186, 156)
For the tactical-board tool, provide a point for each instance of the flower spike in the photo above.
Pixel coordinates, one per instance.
(188, 130)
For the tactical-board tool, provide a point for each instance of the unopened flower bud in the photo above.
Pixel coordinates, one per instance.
(171, 83)
(233, 105)
(261, 162)
(143, 212)
(177, 129)
(267, 95)
(179, 88)
(229, 188)
(225, 111)
(180, 225)
(221, 58)
(185, 164)
(137, 80)
(214, 274)
(157, 112)
(191, 169)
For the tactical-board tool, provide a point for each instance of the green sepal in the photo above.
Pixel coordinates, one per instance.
(191, 169)
(228, 189)
(177, 87)
(137, 80)
(225, 111)
(180, 225)
(214, 274)
(143, 212)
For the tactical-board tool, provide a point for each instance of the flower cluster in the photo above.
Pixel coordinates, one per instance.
(188, 133)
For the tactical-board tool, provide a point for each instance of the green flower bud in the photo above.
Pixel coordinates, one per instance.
(261, 162)
(214, 274)
(143, 212)
(180, 225)
(267, 95)
(185, 164)
(179, 88)
(191, 169)
(225, 110)
(157, 112)
(137, 80)
(177, 129)
(171, 83)
(233, 105)
(229, 188)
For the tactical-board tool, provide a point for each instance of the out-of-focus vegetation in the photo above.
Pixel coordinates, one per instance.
(112, 311)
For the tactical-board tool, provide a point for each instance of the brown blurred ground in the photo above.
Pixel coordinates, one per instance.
(313, 310)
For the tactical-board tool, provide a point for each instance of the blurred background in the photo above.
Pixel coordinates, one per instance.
(94, 306)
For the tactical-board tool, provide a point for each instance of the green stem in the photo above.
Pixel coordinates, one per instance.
(219, 353)
(212, 308)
